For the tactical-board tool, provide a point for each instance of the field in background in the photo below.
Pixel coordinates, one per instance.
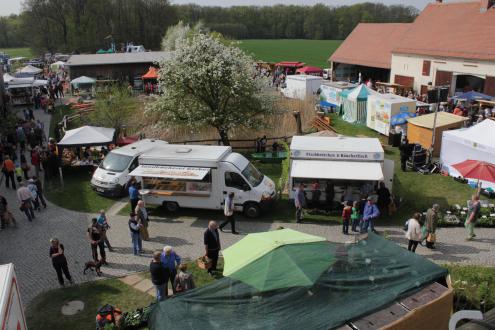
(311, 52)
(18, 52)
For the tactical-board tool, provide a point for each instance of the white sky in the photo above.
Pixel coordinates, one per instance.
(8, 7)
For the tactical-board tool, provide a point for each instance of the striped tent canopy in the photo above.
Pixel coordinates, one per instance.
(354, 104)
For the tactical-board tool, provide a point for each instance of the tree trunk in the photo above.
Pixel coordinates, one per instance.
(224, 136)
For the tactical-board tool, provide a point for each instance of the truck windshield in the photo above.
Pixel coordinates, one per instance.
(115, 162)
(253, 175)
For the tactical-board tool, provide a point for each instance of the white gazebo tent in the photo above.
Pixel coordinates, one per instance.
(54, 67)
(354, 103)
(7, 78)
(476, 142)
(83, 83)
(87, 136)
(29, 71)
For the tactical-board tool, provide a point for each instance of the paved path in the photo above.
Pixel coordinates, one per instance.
(27, 246)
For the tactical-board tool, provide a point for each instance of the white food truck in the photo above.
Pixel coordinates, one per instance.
(12, 312)
(301, 86)
(351, 166)
(199, 176)
(112, 176)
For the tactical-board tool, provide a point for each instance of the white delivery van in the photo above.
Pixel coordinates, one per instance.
(12, 312)
(199, 176)
(301, 86)
(112, 176)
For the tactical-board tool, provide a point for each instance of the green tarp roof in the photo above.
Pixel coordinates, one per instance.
(349, 281)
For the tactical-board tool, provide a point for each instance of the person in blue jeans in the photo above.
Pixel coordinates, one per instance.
(134, 227)
(370, 213)
(170, 261)
(159, 276)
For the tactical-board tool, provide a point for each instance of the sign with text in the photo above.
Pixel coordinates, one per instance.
(337, 155)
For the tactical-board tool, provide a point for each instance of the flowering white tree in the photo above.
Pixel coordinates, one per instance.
(208, 83)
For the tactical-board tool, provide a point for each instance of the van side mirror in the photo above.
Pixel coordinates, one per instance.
(246, 187)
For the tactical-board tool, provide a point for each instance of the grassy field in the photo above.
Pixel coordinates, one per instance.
(311, 52)
(18, 52)
(44, 312)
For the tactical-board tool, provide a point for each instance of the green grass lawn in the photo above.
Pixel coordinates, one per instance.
(311, 52)
(76, 194)
(44, 312)
(18, 52)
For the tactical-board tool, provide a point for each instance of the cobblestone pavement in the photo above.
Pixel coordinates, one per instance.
(27, 245)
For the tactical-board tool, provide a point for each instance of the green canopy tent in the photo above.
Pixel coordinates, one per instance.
(354, 102)
(357, 279)
(254, 246)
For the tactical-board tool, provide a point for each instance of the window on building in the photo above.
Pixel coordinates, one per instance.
(426, 68)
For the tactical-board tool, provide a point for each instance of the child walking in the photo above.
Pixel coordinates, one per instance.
(355, 216)
(346, 217)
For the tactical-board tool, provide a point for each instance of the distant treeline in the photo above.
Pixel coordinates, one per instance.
(293, 22)
(87, 25)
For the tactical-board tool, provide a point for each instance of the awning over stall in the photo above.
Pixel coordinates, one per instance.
(86, 136)
(338, 170)
(170, 172)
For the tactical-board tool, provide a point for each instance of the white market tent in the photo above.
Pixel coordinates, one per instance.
(86, 136)
(7, 78)
(82, 80)
(31, 70)
(354, 103)
(476, 142)
(57, 65)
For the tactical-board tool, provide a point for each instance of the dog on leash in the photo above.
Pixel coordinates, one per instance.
(93, 266)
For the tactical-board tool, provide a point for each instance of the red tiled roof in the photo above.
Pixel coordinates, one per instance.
(371, 44)
(457, 30)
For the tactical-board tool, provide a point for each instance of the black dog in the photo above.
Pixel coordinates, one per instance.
(93, 266)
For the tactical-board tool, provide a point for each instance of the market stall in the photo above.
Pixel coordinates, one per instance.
(354, 103)
(310, 70)
(385, 111)
(77, 145)
(420, 129)
(55, 67)
(150, 81)
(350, 166)
(21, 90)
(29, 71)
(330, 97)
(301, 86)
(475, 142)
(83, 86)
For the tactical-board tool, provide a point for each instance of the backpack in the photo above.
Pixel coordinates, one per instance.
(406, 226)
(104, 316)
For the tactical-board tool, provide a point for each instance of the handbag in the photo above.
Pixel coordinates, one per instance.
(406, 226)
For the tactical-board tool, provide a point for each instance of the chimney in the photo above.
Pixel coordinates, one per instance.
(485, 5)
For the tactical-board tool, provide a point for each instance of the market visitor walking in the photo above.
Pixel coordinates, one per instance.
(211, 240)
(472, 216)
(228, 211)
(414, 233)
(59, 262)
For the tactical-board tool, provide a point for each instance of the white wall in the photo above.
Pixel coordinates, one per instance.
(412, 66)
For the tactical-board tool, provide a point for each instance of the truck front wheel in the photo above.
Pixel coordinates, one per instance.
(252, 210)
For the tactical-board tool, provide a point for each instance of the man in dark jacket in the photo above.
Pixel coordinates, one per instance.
(212, 244)
(159, 276)
(405, 153)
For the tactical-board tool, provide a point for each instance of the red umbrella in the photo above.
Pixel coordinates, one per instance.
(476, 169)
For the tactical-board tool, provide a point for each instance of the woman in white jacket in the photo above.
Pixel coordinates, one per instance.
(414, 234)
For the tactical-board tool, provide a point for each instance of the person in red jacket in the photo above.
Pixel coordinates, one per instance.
(36, 161)
(346, 217)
